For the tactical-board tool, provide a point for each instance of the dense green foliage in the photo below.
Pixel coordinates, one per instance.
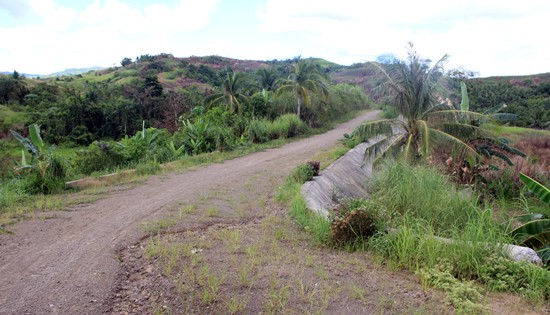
(527, 97)
(46, 172)
(420, 207)
(158, 109)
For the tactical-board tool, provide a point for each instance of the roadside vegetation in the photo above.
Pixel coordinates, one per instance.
(62, 129)
(451, 187)
(447, 195)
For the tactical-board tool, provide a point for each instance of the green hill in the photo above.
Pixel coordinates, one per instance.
(122, 94)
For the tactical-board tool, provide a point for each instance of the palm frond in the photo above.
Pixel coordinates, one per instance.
(425, 134)
(437, 108)
(370, 129)
(504, 117)
(409, 148)
(438, 66)
(214, 99)
(465, 132)
(495, 109)
(454, 115)
(457, 145)
(503, 146)
(386, 147)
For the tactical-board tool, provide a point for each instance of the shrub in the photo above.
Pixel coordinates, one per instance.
(316, 166)
(99, 156)
(9, 194)
(462, 295)
(286, 126)
(47, 171)
(350, 225)
(224, 138)
(48, 178)
(303, 173)
(257, 130)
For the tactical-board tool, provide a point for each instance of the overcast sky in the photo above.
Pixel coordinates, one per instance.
(492, 37)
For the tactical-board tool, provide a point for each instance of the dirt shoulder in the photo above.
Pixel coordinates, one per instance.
(68, 263)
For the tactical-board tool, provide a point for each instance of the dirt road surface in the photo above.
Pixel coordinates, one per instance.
(69, 264)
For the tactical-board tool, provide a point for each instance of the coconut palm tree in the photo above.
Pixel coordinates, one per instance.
(305, 78)
(231, 95)
(267, 78)
(424, 119)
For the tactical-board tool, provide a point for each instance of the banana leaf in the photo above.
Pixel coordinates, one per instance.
(23, 159)
(544, 254)
(25, 142)
(524, 218)
(34, 133)
(534, 234)
(537, 188)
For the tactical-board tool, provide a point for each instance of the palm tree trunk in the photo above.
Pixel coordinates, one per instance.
(300, 102)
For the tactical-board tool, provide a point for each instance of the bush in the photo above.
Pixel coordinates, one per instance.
(316, 166)
(257, 130)
(224, 138)
(350, 225)
(9, 194)
(99, 156)
(286, 126)
(49, 177)
(303, 173)
(462, 295)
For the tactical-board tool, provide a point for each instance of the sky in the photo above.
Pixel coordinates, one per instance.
(491, 37)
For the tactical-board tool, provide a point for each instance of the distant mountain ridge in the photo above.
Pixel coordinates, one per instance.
(66, 72)
(27, 75)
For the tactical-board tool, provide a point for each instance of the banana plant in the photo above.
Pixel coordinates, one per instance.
(34, 145)
(535, 233)
(50, 169)
(176, 152)
(537, 188)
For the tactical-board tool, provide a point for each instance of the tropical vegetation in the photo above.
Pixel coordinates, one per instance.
(150, 111)
(459, 190)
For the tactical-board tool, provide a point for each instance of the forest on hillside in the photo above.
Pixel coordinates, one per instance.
(160, 108)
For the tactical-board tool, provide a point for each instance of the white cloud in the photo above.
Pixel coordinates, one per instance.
(105, 30)
(493, 37)
(15, 8)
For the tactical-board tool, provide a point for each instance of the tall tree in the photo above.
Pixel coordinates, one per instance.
(423, 121)
(125, 61)
(12, 88)
(232, 95)
(305, 78)
(267, 78)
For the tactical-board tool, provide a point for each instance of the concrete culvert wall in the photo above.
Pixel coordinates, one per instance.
(343, 179)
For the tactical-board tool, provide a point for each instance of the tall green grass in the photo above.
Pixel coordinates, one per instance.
(432, 224)
(423, 193)
(285, 126)
(290, 193)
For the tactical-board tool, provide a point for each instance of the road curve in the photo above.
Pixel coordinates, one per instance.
(68, 265)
